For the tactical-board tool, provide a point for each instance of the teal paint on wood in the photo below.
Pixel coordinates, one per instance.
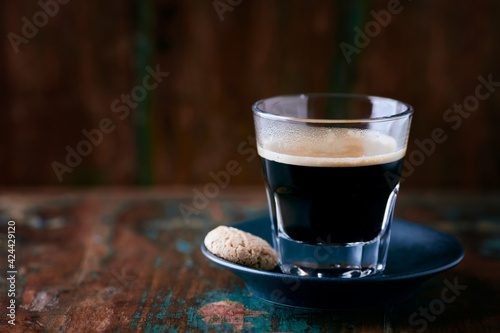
(183, 246)
(157, 262)
(227, 309)
(138, 313)
(142, 112)
(491, 248)
(352, 15)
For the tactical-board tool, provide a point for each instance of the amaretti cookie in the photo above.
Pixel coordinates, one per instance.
(241, 248)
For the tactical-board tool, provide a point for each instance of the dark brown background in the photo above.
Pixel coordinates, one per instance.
(66, 77)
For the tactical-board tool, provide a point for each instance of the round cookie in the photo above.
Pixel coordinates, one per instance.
(241, 248)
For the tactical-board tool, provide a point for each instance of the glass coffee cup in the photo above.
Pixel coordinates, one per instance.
(331, 165)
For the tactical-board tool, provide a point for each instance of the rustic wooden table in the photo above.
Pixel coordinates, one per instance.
(126, 260)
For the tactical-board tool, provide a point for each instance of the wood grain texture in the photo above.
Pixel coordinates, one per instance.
(125, 260)
(65, 79)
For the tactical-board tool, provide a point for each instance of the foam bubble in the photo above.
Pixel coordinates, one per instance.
(331, 147)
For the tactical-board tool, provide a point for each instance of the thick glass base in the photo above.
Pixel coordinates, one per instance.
(338, 272)
(342, 261)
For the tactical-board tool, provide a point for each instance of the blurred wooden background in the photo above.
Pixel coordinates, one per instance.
(221, 57)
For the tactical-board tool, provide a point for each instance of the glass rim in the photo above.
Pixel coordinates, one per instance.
(265, 114)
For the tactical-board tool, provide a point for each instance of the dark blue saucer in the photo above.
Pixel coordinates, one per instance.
(416, 253)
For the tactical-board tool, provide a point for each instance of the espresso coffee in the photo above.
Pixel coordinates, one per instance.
(331, 188)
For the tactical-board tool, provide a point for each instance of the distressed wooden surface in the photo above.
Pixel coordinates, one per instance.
(125, 260)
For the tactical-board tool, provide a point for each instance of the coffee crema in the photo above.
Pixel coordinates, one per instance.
(335, 147)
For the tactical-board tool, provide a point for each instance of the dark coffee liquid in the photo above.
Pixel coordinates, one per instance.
(325, 204)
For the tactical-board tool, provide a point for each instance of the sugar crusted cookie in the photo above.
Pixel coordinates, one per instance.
(241, 248)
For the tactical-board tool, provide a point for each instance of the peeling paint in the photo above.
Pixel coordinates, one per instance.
(228, 312)
(42, 300)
